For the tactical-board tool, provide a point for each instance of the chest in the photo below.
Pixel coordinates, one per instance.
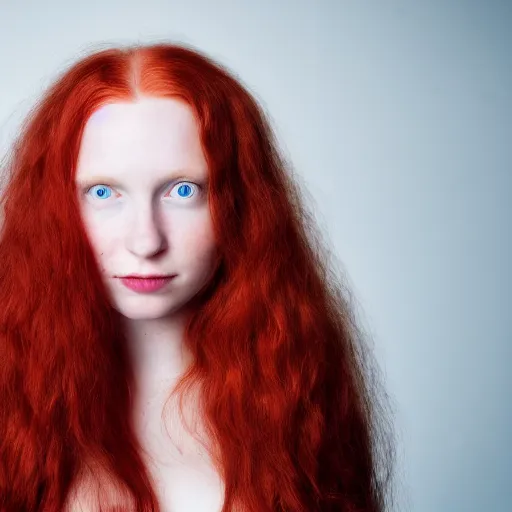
(185, 488)
(183, 475)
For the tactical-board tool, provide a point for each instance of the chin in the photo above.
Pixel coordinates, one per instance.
(144, 309)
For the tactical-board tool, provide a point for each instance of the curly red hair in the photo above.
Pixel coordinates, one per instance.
(288, 389)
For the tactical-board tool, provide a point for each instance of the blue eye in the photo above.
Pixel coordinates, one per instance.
(103, 192)
(183, 190)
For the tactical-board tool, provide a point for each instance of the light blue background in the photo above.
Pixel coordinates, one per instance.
(398, 117)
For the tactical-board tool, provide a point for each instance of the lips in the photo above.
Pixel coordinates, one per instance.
(149, 276)
(146, 284)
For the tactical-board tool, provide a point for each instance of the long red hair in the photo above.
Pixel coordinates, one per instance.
(288, 387)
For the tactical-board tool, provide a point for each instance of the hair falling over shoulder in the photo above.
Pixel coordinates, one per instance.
(288, 386)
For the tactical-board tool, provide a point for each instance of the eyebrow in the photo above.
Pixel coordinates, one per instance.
(105, 180)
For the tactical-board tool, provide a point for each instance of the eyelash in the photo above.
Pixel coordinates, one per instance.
(199, 187)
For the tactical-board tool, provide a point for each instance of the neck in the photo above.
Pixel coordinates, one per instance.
(157, 352)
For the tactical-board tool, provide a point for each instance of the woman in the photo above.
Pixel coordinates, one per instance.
(237, 380)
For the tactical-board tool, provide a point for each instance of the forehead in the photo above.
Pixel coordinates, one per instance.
(155, 109)
(147, 135)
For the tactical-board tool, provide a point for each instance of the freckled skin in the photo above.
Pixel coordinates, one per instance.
(140, 228)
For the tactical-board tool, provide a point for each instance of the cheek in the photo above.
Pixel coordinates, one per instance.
(102, 246)
(197, 240)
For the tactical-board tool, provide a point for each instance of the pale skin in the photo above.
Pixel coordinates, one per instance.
(142, 182)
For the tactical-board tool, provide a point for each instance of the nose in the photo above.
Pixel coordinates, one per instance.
(145, 236)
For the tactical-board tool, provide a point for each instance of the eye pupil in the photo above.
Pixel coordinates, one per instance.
(102, 192)
(186, 188)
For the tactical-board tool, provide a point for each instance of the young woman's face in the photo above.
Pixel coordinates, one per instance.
(142, 185)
